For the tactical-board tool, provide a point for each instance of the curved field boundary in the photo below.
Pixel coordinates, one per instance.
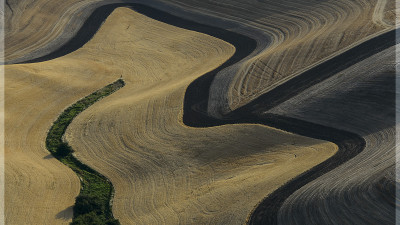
(96, 192)
(349, 145)
(321, 72)
(85, 33)
(197, 93)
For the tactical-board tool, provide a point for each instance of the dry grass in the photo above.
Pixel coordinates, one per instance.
(36, 183)
(162, 170)
(38, 26)
(292, 35)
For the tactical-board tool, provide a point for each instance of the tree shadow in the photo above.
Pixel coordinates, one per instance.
(49, 156)
(65, 214)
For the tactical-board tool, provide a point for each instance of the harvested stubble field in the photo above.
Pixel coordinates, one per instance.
(166, 172)
(360, 99)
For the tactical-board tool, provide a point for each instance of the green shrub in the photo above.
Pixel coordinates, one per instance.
(113, 222)
(63, 150)
(93, 219)
(89, 219)
(92, 204)
(86, 204)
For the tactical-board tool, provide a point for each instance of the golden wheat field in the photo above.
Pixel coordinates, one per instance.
(230, 112)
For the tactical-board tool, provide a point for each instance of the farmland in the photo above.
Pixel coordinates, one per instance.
(234, 112)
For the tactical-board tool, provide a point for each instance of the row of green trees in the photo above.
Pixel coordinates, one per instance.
(92, 206)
